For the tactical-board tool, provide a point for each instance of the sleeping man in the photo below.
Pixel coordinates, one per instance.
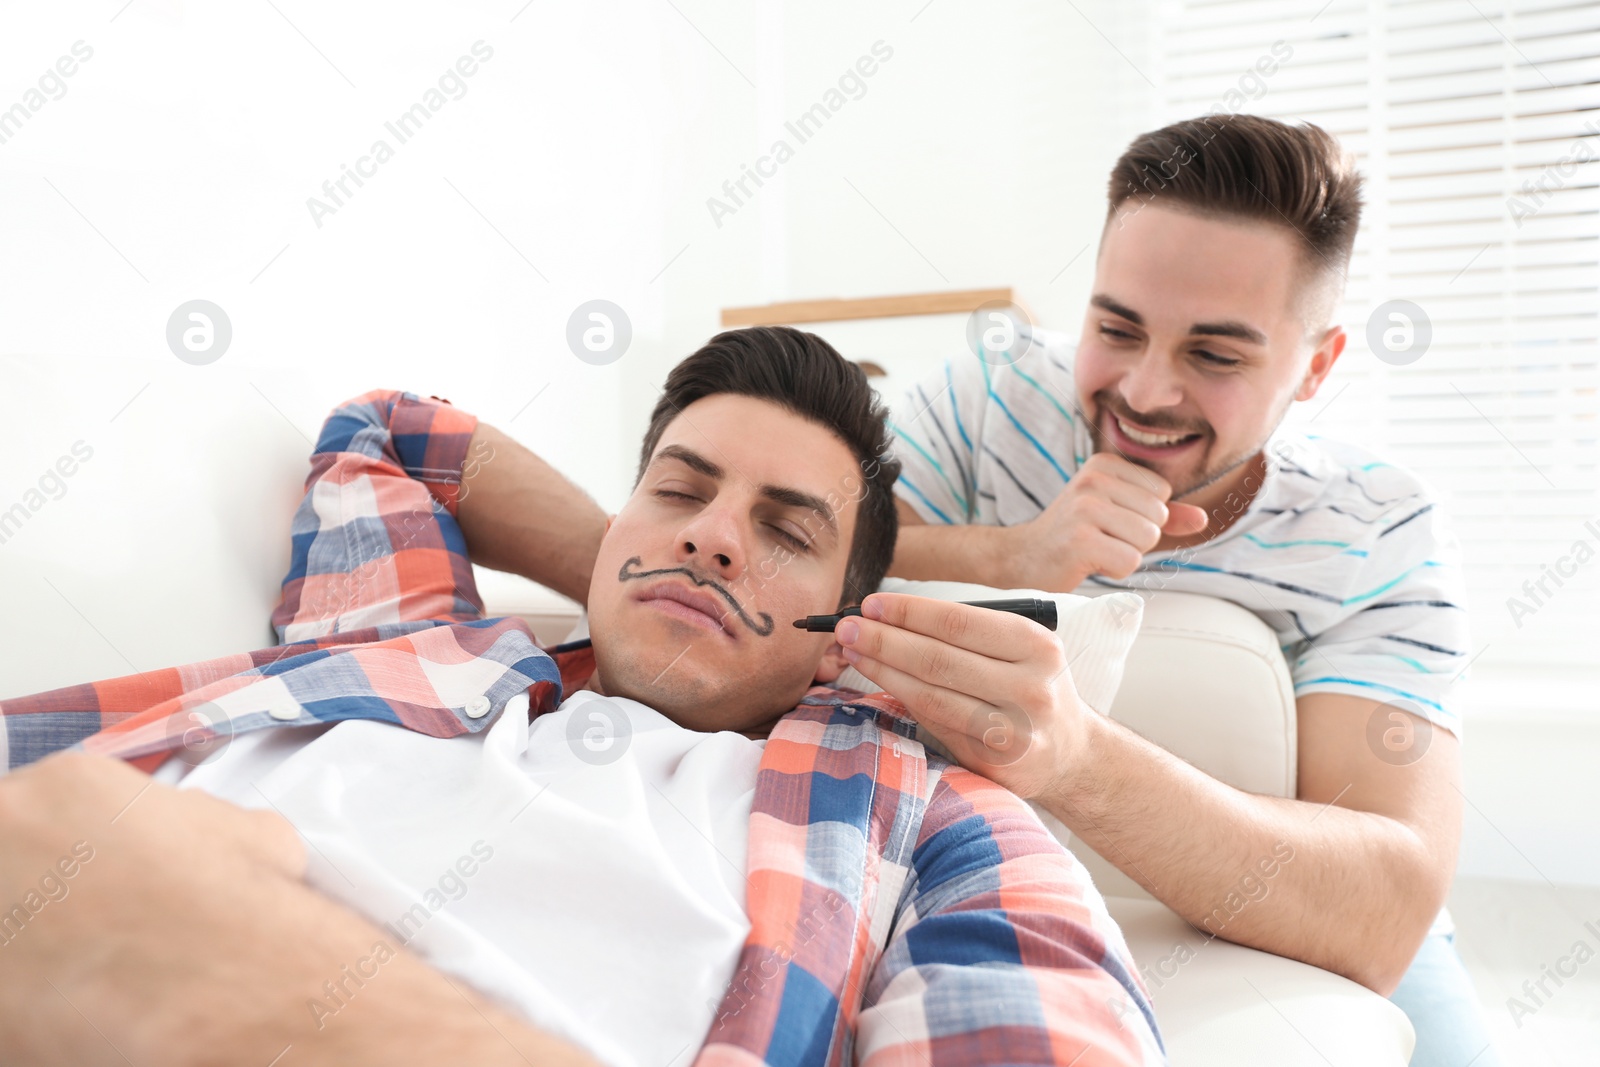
(410, 834)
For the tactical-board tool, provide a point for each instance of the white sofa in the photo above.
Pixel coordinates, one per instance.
(1206, 681)
(168, 546)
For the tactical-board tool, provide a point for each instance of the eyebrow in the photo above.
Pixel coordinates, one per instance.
(1229, 328)
(781, 494)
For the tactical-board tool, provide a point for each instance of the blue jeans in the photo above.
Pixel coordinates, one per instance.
(1437, 996)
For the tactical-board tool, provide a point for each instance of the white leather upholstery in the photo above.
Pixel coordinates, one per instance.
(1222, 1005)
(1239, 725)
(1205, 680)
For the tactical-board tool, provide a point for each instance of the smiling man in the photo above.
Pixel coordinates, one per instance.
(409, 834)
(1150, 456)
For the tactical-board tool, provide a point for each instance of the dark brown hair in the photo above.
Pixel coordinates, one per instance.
(1245, 166)
(804, 374)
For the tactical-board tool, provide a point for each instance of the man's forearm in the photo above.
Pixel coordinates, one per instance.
(959, 553)
(314, 976)
(519, 514)
(188, 936)
(1347, 890)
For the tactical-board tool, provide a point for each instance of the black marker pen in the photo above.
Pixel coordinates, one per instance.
(1042, 612)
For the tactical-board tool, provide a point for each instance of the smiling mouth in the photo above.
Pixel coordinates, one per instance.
(1152, 438)
(1145, 442)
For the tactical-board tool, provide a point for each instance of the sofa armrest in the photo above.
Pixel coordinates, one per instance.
(551, 616)
(1207, 682)
(1223, 1004)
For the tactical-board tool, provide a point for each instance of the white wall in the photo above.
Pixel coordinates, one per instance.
(974, 155)
(193, 138)
(178, 163)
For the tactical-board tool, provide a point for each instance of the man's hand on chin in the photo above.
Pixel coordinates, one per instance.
(141, 923)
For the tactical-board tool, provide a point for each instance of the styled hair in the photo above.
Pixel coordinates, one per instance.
(805, 375)
(1246, 166)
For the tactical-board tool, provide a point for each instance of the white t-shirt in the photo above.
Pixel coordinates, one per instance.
(1346, 557)
(587, 869)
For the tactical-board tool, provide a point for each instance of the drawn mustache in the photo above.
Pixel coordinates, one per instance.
(764, 628)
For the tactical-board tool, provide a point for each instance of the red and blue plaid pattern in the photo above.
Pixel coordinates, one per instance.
(903, 910)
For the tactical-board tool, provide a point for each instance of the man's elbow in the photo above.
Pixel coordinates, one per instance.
(1386, 950)
(1382, 973)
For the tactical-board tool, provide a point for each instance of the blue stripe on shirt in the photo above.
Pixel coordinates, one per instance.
(1371, 685)
(955, 408)
(901, 435)
(1001, 404)
(903, 480)
(1292, 544)
(1046, 394)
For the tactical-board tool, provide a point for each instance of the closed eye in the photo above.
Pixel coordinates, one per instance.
(791, 538)
(803, 546)
(1216, 360)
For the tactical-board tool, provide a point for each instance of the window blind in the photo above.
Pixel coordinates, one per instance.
(1477, 126)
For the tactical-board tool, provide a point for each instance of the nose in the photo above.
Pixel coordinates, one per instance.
(1149, 385)
(711, 540)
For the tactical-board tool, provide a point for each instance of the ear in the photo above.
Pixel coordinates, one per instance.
(1322, 361)
(832, 665)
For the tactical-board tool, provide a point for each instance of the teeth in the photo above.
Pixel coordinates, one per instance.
(1153, 439)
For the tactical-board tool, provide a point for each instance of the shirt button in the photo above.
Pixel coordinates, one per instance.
(477, 707)
(284, 712)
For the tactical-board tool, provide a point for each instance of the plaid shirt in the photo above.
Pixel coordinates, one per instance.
(903, 910)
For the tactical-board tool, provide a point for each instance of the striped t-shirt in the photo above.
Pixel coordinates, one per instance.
(1346, 557)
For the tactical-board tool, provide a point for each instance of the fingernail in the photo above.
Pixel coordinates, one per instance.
(846, 631)
(851, 654)
(872, 608)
